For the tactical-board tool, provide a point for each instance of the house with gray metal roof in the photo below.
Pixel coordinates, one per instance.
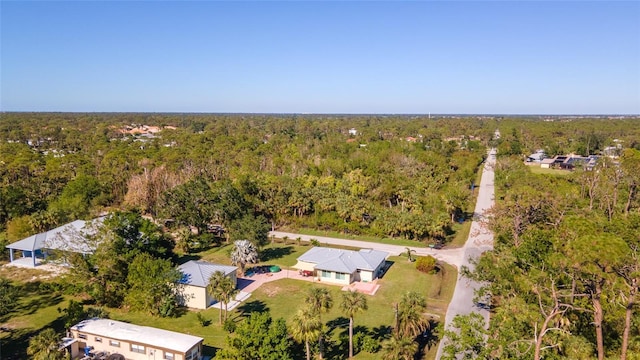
(343, 266)
(195, 278)
(75, 237)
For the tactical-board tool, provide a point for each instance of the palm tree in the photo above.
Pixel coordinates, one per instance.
(306, 327)
(399, 348)
(227, 292)
(319, 300)
(244, 252)
(409, 251)
(410, 321)
(45, 346)
(214, 288)
(352, 303)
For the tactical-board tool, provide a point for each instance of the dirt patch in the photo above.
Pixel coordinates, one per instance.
(272, 291)
(22, 274)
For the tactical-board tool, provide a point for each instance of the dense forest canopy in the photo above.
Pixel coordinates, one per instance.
(384, 175)
(563, 278)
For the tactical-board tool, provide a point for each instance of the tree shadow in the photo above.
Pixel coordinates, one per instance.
(253, 306)
(429, 338)
(382, 332)
(186, 258)
(180, 311)
(275, 253)
(336, 349)
(337, 323)
(209, 350)
(14, 346)
(38, 302)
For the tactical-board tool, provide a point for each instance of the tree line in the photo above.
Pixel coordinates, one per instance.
(397, 177)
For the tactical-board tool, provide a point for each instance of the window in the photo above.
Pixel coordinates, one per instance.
(137, 348)
(326, 274)
(340, 276)
(98, 339)
(193, 354)
(82, 336)
(168, 356)
(114, 343)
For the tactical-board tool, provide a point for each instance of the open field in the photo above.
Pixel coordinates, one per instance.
(38, 305)
(536, 169)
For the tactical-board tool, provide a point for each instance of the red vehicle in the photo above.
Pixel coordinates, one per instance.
(305, 273)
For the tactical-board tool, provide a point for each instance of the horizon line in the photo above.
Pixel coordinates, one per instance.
(319, 113)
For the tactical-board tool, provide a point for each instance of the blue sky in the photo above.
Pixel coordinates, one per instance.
(539, 57)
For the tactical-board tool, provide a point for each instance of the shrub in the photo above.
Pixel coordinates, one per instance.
(229, 326)
(202, 320)
(370, 345)
(426, 264)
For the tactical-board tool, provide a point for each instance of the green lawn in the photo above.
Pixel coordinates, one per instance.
(280, 298)
(36, 309)
(536, 169)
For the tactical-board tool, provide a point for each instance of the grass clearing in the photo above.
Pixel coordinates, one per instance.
(536, 169)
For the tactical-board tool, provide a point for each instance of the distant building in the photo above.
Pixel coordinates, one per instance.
(612, 151)
(536, 157)
(353, 132)
(546, 163)
(569, 162)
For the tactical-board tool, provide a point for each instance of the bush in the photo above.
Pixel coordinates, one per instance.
(370, 345)
(202, 320)
(229, 326)
(426, 264)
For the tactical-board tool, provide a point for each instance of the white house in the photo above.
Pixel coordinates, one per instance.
(195, 278)
(132, 341)
(74, 237)
(343, 266)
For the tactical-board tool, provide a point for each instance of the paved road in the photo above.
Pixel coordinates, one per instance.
(480, 240)
(451, 256)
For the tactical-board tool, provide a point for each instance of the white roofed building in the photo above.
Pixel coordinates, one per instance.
(343, 266)
(132, 341)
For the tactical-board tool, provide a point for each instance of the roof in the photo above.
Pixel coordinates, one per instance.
(198, 273)
(150, 336)
(343, 261)
(69, 237)
(537, 156)
(547, 161)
